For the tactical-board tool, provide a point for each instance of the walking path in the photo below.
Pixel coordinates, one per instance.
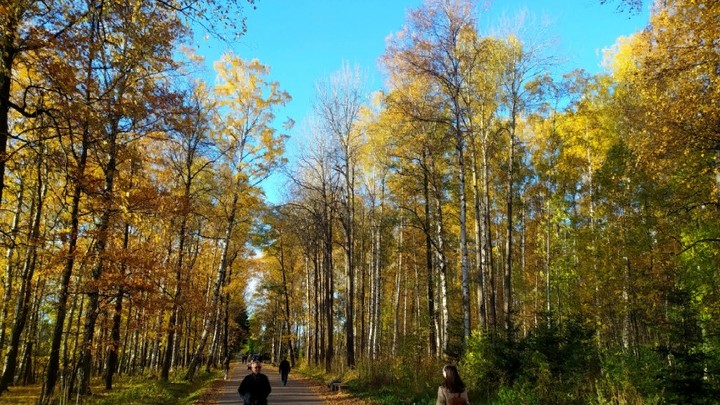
(296, 392)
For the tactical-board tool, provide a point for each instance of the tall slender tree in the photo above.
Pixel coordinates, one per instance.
(438, 44)
(338, 105)
(251, 147)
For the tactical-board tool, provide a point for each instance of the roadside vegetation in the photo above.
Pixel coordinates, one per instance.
(138, 389)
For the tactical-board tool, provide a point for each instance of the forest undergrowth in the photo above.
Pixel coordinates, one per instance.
(139, 389)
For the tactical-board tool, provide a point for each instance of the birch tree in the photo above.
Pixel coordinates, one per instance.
(251, 148)
(319, 182)
(523, 61)
(438, 45)
(339, 100)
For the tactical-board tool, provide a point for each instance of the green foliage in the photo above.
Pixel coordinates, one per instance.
(629, 378)
(159, 392)
(686, 377)
(240, 329)
(156, 393)
(490, 363)
(552, 364)
(409, 377)
(253, 345)
(512, 396)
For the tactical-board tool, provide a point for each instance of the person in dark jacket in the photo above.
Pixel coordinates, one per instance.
(255, 387)
(284, 370)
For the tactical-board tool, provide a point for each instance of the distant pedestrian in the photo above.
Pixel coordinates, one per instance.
(226, 366)
(255, 387)
(452, 390)
(284, 370)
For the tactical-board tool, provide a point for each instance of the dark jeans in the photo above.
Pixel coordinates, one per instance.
(284, 377)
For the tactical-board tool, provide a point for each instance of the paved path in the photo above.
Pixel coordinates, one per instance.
(296, 392)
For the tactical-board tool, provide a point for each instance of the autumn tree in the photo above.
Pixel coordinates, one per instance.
(338, 104)
(27, 268)
(29, 26)
(35, 32)
(189, 133)
(318, 184)
(26, 26)
(251, 149)
(671, 68)
(136, 83)
(666, 85)
(483, 143)
(524, 60)
(416, 145)
(438, 45)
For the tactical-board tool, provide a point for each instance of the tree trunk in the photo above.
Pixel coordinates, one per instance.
(112, 362)
(349, 223)
(507, 276)
(286, 300)
(548, 235)
(310, 322)
(626, 333)
(396, 297)
(363, 302)
(442, 264)
(479, 243)
(329, 285)
(10, 264)
(27, 370)
(432, 314)
(226, 327)
(464, 260)
(99, 253)
(177, 294)
(63, 293)
(318, 304)
(7, 58)
(24, 296)
(219, 283)
(489, 266)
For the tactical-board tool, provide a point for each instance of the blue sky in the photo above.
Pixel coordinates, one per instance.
(304, 41)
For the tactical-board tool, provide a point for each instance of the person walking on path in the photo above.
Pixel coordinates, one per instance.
(226, 367)
(452, 391)
(255, 387)
(298, 391)
(284, 370)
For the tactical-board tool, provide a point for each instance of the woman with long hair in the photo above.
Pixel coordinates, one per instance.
(452, 390)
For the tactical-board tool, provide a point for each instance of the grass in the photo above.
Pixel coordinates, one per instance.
(128, 390)
(408, 379)
(25, 395)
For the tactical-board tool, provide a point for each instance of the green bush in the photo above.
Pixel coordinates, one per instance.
(629, 378)
(489, 363)
(509, 396)
(560, 364)
(553, 364)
